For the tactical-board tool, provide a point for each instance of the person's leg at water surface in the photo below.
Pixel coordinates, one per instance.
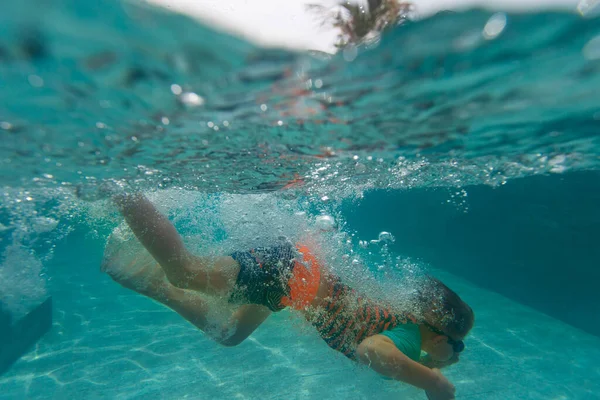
(177, 276)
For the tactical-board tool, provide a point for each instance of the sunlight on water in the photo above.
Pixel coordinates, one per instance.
(482, 107)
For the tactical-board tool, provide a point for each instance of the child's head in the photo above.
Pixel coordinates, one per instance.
(446, 319)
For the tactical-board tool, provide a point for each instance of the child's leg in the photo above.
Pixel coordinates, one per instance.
(138, 271)
(212, 275)
(191, 306)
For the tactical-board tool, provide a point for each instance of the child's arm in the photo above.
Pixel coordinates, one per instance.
(381, 355)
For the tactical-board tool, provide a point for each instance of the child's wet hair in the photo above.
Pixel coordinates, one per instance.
(444, 309)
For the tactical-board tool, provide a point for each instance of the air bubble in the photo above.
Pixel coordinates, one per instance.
(191, 99)
(176, 89)
(35, 81)
(494, 26)
(360, 167)
(386, 237)
(349, 53)
(325, 222)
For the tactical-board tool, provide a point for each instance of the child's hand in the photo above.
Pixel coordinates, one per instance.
(453, 360)
(443, 389)
(431, 363)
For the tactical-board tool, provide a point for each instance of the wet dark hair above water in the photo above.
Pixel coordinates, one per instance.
(362, 25)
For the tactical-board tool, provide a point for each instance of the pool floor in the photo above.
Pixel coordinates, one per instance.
(107, 342)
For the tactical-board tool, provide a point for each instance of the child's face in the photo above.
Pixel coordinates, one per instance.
(438, 348)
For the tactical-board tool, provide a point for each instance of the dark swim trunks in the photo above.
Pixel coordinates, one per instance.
(277, 277)
(264, 275)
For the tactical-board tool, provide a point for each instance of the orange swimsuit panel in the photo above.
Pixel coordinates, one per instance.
(304, 283)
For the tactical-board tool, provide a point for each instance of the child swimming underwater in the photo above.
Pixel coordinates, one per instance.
(266, 280)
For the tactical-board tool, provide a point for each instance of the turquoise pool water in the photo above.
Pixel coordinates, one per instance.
(477, 148)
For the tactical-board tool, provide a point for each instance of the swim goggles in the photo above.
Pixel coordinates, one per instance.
(457, 345)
